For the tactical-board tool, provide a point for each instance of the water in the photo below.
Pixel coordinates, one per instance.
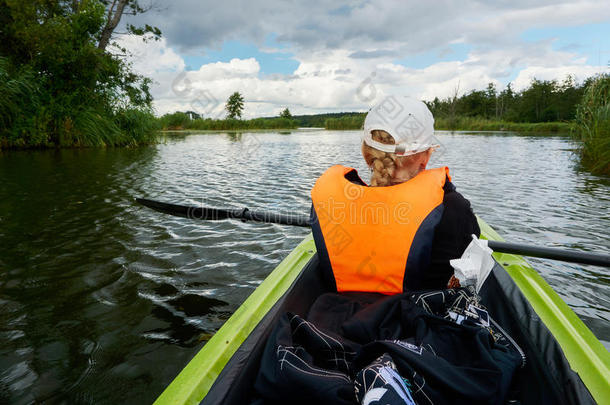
(102, 301)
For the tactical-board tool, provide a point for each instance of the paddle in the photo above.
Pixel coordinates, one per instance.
(245, 214)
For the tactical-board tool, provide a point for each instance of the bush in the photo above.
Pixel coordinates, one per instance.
(140, 126)
(177, 120)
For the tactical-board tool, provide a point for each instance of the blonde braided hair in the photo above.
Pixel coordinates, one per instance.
(384, 164)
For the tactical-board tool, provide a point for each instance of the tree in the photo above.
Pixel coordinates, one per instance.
(568, 97)
(474, 104)
(537, 101)
(235, 105)
(506, 100)
(452, 102)
(114, 11)
(286, 114)
(541, 101)
(193, 115)
(491, 107)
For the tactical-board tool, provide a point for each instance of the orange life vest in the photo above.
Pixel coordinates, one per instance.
(376, 238)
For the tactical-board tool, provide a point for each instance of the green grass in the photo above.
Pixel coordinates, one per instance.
(462, 123)
(593, 126)
(481, 124)
(181, 121)
(229, 124)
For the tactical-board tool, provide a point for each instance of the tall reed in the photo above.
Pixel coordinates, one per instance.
(19, 105)
(593, 126)
(31, 117)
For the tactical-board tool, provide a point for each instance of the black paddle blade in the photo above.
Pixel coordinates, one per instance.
(215, 214)
(190, 212)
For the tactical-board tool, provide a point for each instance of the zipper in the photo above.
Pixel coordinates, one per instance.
(512, 341)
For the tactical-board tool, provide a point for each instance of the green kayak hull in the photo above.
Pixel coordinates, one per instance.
(585, 354)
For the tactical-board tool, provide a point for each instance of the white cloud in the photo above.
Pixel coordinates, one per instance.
(337, 49)
(151, 57)
(551, 73)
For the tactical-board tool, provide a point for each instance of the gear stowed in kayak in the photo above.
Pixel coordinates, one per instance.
(566, 363)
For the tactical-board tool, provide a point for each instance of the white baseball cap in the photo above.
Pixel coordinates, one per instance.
(409, 121)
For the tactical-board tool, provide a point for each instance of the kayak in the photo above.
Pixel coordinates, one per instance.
(566, 363)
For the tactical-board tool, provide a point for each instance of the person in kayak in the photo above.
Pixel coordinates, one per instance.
(399, 233)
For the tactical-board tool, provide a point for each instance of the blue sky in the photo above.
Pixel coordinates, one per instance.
(272, 56)
(590, 40)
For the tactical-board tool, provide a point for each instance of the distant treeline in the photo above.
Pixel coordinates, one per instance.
(347, 121)
(319, 120)
(543, 101)
(189, 120)
(351, 121)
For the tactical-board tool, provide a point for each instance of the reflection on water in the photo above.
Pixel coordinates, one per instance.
(103, 301)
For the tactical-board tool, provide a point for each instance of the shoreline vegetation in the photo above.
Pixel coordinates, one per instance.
(185, 121)
(470, 124)
(463, 124)
(64, 82)
(351, 121)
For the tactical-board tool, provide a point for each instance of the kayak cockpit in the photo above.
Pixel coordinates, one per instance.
(546, 376)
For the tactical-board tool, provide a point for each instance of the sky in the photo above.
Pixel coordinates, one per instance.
(323, 56)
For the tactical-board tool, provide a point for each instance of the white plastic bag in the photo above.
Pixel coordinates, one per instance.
(475, 264)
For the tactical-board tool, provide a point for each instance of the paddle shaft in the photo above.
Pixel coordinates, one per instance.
(564, 255)
(214, 214)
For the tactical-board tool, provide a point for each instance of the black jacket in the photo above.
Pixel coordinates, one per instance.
(451, 237)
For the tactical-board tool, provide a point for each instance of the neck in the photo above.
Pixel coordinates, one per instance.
(406, 174)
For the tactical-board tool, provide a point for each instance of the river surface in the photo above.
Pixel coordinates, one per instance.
(103, 301)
